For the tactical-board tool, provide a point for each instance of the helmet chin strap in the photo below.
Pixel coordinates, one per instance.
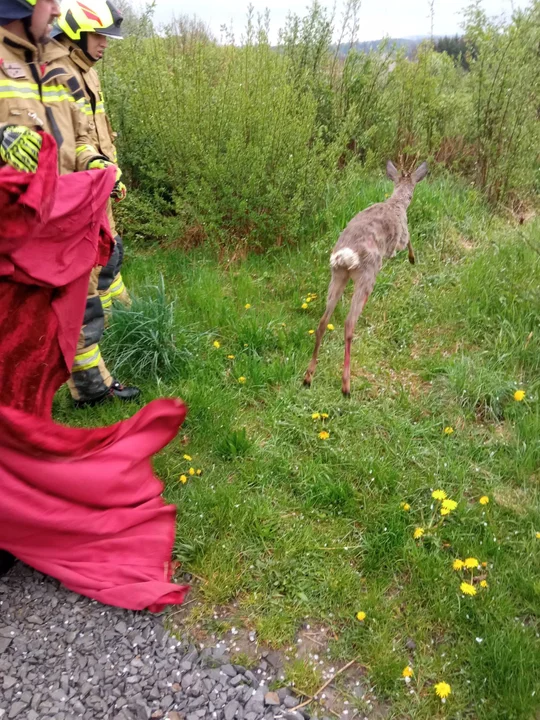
(83, 44)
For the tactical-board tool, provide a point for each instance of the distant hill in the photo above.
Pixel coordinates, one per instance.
(410, 44)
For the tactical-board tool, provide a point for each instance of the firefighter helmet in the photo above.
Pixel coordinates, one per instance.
(90, 16)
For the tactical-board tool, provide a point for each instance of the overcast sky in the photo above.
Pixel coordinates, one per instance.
(395, 18)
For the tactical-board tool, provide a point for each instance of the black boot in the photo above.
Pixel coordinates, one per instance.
(125, 393)
(7, 561)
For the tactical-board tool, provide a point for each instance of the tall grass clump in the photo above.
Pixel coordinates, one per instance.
(143, 341)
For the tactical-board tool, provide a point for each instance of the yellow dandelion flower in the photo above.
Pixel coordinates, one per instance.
(330, 327)
(308, 300)
(231, 357)
(361, 616)
(445, 512)
(247, 306)
(305, 306)
(217, 344)
(438, 495)
(324, 435)
(325, 416)
(183, 479)
(311, 332)
(471, 563)
(458, 564)
(192, 471)
(484, 584)
(406, 506)
(199, 473)
(442, 690)
(316, 416)
(450, 505)
(484, 500)
(418, 533)
(519, 395)
(242, 380)
(448, 430)
(538, 535)
(408, 672)
(188, 458)
(484, 564)
(467, 589)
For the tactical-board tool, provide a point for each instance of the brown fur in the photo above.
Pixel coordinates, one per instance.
(376, 233)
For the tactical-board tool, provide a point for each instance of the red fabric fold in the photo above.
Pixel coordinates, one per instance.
(81, 505)
(85, 507)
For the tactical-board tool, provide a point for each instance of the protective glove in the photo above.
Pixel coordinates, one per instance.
(119, 190)
(19, 147)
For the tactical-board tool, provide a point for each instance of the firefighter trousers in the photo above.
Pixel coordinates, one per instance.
(90, 378)
(110, 285)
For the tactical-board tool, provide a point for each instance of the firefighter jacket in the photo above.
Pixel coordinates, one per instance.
(101, 133)
(37, 95)
(82, 67)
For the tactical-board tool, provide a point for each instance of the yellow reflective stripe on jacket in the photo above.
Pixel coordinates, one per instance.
(106, 301)
(87, 360)
(30, 91)
(23, 89)
(56, 93)
(117, 287)
(85, 148)
(100, 107)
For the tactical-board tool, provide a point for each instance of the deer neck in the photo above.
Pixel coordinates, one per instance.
(402, 197)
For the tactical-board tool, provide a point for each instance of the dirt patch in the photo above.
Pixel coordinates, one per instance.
(307, 660)
(515, 499)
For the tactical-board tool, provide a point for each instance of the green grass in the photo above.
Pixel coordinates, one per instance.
(291, 527)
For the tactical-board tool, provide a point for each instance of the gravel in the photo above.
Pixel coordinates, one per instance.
(63, 656)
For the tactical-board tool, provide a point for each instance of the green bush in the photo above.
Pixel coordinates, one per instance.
(237, 145)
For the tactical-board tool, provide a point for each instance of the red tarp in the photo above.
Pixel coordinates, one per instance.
(82, 506)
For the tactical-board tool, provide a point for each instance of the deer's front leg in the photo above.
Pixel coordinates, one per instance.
(406, 241)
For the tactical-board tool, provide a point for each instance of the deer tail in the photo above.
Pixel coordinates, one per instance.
(345, 258)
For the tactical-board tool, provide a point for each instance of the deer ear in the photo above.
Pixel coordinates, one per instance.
(392, 172)
(420, 173)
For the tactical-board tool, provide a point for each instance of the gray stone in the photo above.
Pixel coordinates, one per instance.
(16, 708)
(250, 677)
(231, 710)
(71, 658)
(9, 682)
(290, 702)
(187, 681)
(275, 659)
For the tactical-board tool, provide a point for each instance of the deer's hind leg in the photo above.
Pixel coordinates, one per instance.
(363, 288)
(340, 277)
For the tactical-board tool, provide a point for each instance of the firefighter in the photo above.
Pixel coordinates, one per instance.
(34, 95)
(83, 29)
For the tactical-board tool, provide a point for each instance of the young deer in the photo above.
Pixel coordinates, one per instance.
(379, 231)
